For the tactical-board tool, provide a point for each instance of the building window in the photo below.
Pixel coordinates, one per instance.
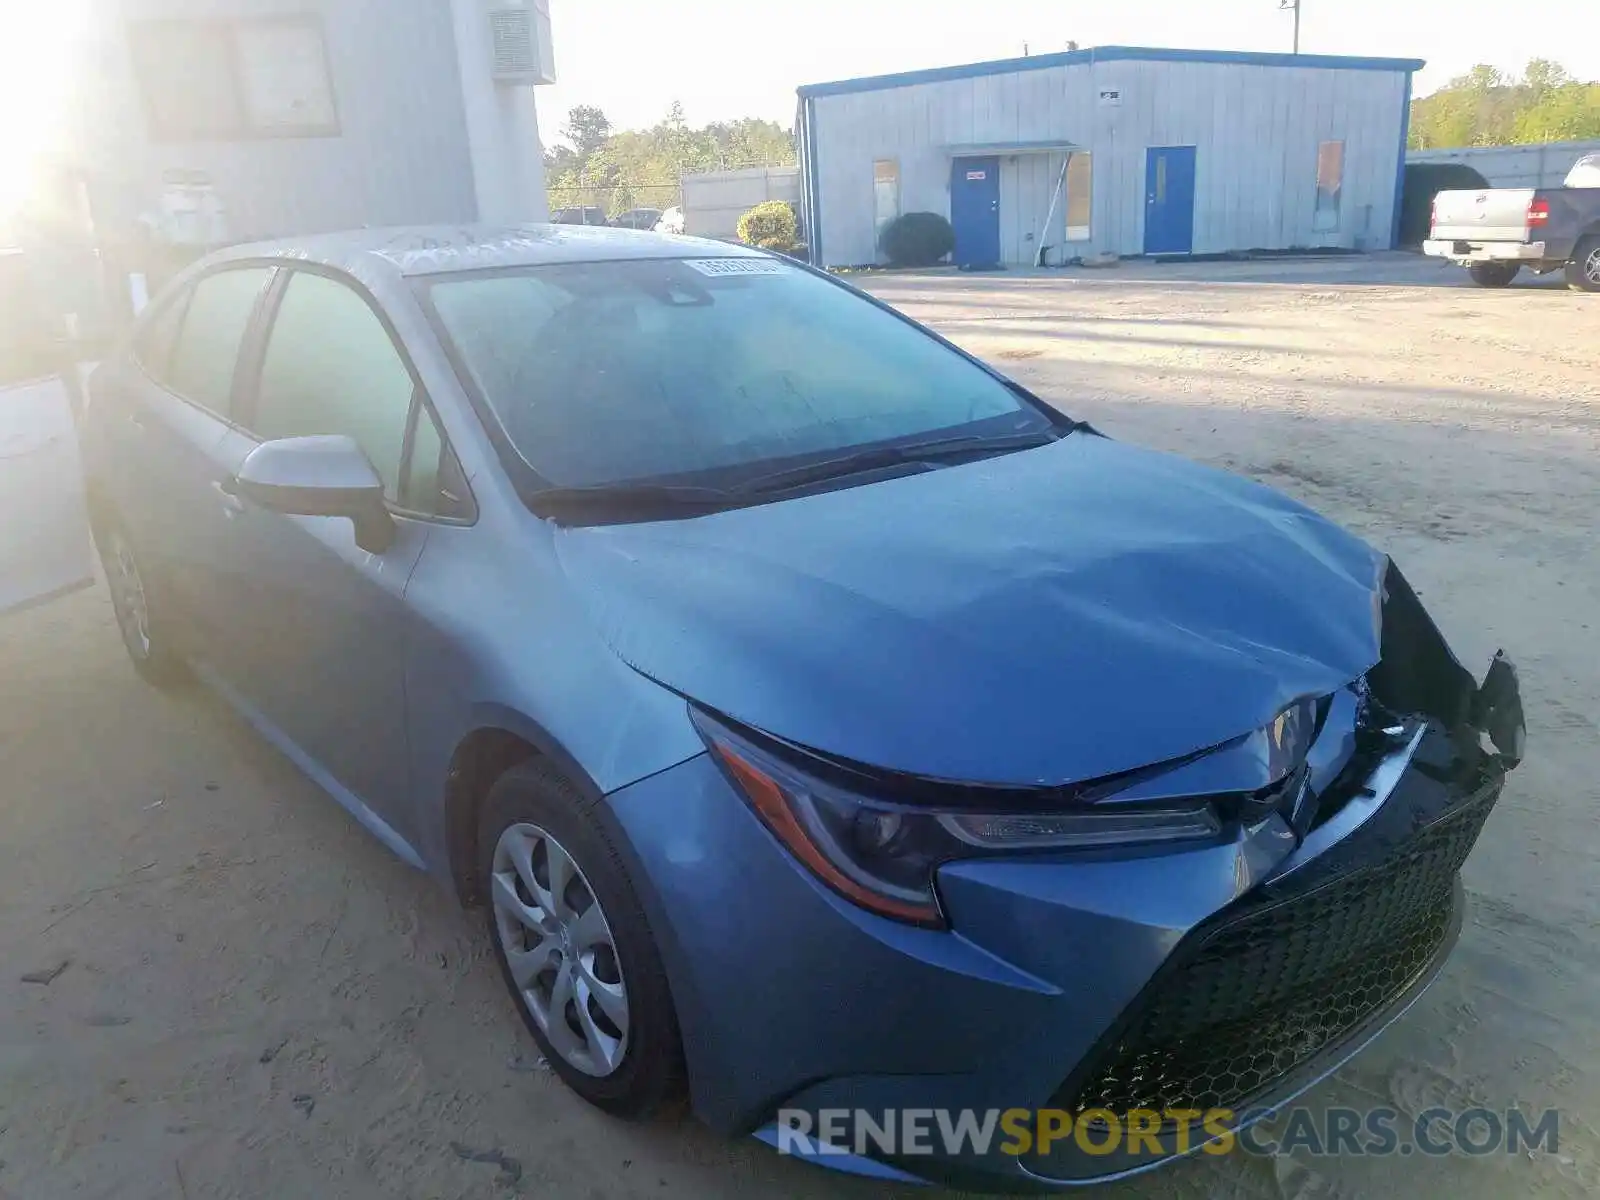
(211, 80)
(1080, 182)
(1330, 175)
(885, 192)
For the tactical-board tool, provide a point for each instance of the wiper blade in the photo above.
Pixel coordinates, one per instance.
(611, 498)
(939, 450)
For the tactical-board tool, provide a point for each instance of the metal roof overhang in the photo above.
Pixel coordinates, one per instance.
(976, 149)
(1099, 54)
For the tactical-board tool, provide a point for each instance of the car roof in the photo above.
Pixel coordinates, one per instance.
(435, 250)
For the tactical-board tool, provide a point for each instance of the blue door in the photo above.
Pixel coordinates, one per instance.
(1169, 200)
(975, 211)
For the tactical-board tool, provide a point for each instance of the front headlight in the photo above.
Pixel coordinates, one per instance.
(882, 855)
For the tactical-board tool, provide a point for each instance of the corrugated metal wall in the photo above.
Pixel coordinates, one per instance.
(1544, 165)
(1257, 129)
(401, 155)
(713, 201)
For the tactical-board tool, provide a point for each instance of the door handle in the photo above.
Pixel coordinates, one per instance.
(232, 506)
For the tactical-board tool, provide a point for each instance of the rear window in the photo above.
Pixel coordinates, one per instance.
(613, 372)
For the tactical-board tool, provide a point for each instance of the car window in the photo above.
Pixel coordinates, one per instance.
(434, 483)
(610, 372)
(330, 368)
(207, 349)
(152, 343)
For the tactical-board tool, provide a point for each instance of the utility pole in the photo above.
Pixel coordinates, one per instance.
(1292, 6)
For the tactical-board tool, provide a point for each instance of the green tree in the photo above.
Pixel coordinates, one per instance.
(587, 129)
(1485, 107)
(642, 168)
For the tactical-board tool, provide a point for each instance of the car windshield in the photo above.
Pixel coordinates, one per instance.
(710, 370)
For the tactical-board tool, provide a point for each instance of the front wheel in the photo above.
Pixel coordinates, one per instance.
(1583, 272)
(574, 945)
(1493, 274)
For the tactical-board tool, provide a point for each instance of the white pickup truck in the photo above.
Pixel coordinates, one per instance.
(1495, 233)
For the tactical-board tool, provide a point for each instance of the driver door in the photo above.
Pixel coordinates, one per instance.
(316, 626)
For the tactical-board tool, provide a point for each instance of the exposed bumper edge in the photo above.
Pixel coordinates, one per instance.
(1469, 251)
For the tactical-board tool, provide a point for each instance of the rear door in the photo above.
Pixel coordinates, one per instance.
(316, 625)
(159, 415)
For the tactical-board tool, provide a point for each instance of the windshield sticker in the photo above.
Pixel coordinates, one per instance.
(735, 266)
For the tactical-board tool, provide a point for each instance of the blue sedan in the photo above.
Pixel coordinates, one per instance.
(823, 723)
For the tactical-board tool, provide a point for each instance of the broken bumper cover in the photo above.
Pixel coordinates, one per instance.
(1232, 974)
(1252, 1006)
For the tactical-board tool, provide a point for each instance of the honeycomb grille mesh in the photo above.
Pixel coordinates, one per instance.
(1268, 990)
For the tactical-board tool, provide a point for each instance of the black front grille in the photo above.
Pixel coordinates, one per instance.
(1269, 987)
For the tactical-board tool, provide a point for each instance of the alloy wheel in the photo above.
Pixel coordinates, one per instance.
(559, 949)
(128, 598)
(1591, 266)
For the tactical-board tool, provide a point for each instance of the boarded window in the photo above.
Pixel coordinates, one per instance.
(283, 76)
(885, 192)
(185, 71)
(1080, 182)
(1330, 176)
(234, 79)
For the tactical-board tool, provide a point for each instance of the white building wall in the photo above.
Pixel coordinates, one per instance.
(1256, 129)
(423, 133)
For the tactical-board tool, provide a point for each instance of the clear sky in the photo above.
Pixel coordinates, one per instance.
(735, 58)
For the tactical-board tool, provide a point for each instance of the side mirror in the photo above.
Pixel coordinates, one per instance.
(319, 477)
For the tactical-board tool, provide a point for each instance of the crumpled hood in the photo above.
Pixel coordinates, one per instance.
(1041, 618)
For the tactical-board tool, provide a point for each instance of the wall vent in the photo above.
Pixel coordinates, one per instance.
(520, 38)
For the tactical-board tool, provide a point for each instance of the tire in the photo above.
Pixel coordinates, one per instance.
(142, 618)
(1493, 274)
(627, 1058)
(1583, 272)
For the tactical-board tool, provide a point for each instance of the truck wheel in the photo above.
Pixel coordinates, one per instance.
(1493, 274)
(1583, 272)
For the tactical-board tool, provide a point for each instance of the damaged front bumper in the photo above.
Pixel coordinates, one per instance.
(1227, 975)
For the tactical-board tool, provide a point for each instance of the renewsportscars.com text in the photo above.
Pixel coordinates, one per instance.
(1147, 1132)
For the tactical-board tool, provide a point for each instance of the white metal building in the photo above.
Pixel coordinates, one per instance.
(210, 121)
(1122, 149)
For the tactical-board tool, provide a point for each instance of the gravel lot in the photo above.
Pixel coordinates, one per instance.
(258, 1001)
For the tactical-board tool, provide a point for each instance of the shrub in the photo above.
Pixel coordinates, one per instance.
(798, 250)
(917, 239)
(773, 221)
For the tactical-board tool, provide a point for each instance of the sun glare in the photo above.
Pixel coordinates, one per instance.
(36, 73)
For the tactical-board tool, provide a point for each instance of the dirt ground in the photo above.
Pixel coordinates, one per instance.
(258, 1001)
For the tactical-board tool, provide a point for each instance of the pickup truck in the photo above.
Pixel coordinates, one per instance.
(1495, 233)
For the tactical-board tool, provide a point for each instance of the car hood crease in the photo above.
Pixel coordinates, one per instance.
(1038, 619)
